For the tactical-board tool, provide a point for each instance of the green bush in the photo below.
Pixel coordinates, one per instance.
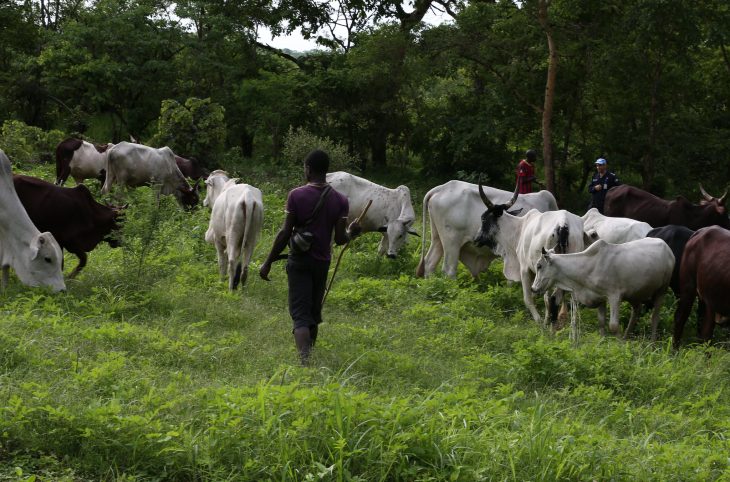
(24, 143)
(299, 142)
(195, 129)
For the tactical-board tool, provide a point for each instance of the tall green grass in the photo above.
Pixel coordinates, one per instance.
(147, 368)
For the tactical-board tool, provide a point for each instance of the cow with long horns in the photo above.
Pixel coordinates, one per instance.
(520, 241)
(631, 202)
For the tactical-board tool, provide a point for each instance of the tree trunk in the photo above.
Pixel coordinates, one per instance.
(378, 147)
(547, 112)
(648, 165)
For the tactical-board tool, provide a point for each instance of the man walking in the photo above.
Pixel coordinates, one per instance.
(313, 212)
(602, 181)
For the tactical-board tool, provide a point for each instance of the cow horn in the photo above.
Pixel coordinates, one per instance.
(514, 197)
(414, 233)
(721, 199)
(484, 197)
(704, 193)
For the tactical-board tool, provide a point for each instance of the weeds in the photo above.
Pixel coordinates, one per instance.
(148, 369)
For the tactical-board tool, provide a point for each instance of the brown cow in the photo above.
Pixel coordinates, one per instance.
(191, 168)
(631, 202)
(72, 215)
(704, 273)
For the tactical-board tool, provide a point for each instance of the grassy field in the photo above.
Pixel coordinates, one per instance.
(147, 368)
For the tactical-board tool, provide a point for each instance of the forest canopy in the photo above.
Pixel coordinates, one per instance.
(643, 83)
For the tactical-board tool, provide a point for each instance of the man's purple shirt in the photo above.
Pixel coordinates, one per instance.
(301, 202)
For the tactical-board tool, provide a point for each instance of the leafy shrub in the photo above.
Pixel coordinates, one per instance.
(298, 143)
(195, 129)
(24, 143)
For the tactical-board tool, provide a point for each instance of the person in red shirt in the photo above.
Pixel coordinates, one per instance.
(526, 173)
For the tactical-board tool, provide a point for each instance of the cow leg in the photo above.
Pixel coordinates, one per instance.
(527, 295)
(82, 262)
(234, 262)
(708, 327)
(658, 302)
(684, 307)
(635, 310)
(602, 319)
(5, 276)
(451, 261)
(220, 249)
(613, 324)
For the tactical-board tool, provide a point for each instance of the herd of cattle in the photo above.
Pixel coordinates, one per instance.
(634, 253)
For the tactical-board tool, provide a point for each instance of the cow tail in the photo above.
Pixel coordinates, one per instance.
(421, 269)
(253, 217)
(62, 162)
(563, 234)
(109, 179)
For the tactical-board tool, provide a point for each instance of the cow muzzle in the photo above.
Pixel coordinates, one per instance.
(391, 256)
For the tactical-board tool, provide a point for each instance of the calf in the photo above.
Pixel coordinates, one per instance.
(36, 257)
(75, 219)
(704, 275)
(612, 230)
(637, 271)
(235, 225)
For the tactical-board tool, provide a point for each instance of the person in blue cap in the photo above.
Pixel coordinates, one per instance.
(602, 181)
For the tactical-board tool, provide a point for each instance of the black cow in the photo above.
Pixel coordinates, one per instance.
(631, 202)
(72, 215)
(704, 274)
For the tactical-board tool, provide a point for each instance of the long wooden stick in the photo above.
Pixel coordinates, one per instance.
(342, 251)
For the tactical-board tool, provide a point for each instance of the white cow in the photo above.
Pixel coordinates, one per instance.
(81, 160)
(391, 212)
(215, 183)
(520, 241)
(455, 209)
(136, 165)
(36, 257)
(636, 271)
(235, 224)
(612, 230)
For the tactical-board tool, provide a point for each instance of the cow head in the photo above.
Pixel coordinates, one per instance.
(41, 264)
(544, 273)
(215, 184)
(188, 196)
(111, 228)
(717, 202)
(487, 235)
(395, 234)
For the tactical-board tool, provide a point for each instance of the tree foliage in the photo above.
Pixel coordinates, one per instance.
(643, 83)
(193, 129)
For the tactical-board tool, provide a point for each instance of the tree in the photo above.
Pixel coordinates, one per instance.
(194, 129)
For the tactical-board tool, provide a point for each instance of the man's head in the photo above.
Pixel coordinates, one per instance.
(531, 156)
(601, 165)
(316, 164)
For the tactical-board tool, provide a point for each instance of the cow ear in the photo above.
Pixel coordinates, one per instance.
(414, 233)
(515, 212)
(383, 229)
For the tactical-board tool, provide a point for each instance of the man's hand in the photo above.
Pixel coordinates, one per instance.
(354, 229)
(597, 187)
(264, 271)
